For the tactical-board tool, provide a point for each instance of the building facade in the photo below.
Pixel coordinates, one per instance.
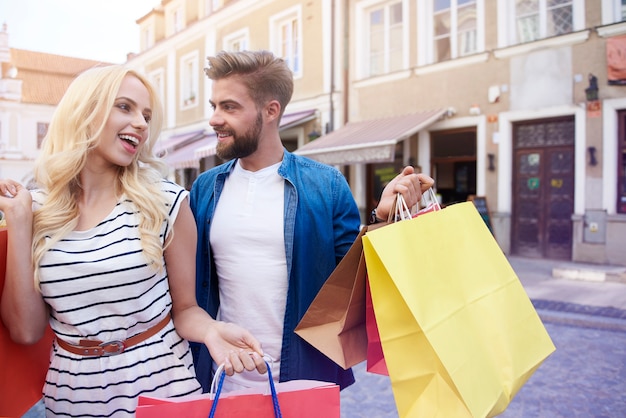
(178, 35)
(521, 102)
(31, 85)
(531, 112)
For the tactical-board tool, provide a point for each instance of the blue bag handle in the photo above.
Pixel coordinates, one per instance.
(220, 383)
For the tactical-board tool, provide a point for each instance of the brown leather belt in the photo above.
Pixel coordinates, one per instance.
(97, 348)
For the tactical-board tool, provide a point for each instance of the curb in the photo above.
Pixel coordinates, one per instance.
(594, 317)
(593, 274)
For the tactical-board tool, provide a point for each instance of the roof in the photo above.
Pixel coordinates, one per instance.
(45, 77)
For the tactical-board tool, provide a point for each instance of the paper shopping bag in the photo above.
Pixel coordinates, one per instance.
(375, 357)
(335, 321)
(459, 333)
(22, 367)
(297, 398)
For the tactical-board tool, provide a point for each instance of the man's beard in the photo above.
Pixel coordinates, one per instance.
(241, 146)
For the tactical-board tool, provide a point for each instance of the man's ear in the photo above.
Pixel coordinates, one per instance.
(272, 110)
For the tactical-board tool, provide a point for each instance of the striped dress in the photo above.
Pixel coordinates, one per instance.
(99, 287)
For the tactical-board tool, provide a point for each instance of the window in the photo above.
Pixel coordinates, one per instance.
(289, 44)
(178, 23)
(237, 41)
(216, 4)
(42, 130)
(147, 38)
(454, 29)
(286, 36)
(189, 74)
(552, 22)
(613, 11)
(385, 38)
(537, 19)
(157, 78)
(384, 34)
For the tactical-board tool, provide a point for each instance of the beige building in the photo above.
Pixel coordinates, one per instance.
(514, 101)
(31, 85)
(178, 35)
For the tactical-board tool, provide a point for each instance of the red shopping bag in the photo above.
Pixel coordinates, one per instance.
(375, 357)
(22, 367)
(296, 398)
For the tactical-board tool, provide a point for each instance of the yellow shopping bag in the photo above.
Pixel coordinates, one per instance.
(459, 333)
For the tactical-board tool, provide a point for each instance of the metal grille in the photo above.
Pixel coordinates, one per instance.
(536, 19)
(559, 18)
(545, 134)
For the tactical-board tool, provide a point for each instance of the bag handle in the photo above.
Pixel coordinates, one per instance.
(401, 212)
(429, 201)
(220, 375)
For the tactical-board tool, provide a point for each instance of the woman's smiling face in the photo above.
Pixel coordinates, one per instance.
(127, 127)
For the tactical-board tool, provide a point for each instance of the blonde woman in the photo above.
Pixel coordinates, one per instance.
(104, 252)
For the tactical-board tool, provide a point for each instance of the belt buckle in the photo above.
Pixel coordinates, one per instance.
(118, 347)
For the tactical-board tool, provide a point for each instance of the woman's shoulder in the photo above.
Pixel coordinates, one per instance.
(172, 192)
(169, 186)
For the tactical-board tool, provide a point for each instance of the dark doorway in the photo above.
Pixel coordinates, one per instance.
(453, 158)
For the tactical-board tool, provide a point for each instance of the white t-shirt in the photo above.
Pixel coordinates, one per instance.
(247, 241)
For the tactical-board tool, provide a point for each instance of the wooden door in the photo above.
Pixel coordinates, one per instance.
(543, 190)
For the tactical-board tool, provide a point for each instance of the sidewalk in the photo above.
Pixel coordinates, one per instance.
(567, 281)
(584, 294)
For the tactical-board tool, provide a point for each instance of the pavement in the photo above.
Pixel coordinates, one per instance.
(596, 285)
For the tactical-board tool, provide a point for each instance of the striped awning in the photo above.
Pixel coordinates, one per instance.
(183, 157)
(207, 146)
(368, 141)
(176, 141)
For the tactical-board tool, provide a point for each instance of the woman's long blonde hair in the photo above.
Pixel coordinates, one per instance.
(74, 131)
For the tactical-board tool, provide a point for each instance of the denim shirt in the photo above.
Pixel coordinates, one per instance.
(321, 223)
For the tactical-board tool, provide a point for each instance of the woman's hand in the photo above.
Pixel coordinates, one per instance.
(235, 347)
(15, 201)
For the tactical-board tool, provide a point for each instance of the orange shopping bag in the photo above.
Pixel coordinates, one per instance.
(22, 367)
